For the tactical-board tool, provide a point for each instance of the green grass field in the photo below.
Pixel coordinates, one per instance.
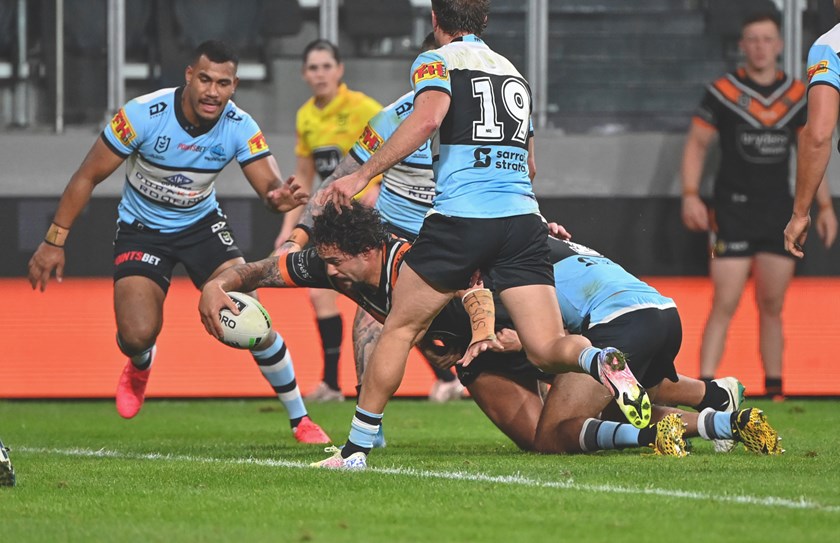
(230, 471)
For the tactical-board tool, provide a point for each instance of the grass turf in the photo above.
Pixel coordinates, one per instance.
(230, 471)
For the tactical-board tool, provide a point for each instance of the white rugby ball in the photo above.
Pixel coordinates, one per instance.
(248, 329)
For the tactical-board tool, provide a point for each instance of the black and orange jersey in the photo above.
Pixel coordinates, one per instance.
(306, 269)
(757, 126)
(327, 134)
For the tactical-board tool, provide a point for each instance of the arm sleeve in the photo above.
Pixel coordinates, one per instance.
(124, 133)
(302, 148)
(304, 269)
(708, 111)
(253, 144)
(823, 66)
(429, 72)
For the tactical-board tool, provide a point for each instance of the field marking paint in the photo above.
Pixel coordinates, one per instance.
(514, 480)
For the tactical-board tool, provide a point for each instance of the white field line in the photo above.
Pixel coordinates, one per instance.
(514, 480)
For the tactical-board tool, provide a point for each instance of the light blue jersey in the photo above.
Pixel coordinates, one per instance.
(481, 148)
(593, 290)
(172, 166)
(823, 61)
(408, 188)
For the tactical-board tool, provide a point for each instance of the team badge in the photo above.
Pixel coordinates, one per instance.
(430, 70)
(370, 140)
(819, 68)
(226, 238)
(257, 143)
(162, 144)
(122, 128)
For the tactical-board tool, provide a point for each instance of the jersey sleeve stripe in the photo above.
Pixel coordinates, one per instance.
(254, 158)
(821, 82)
(702, 122)
(111, 146)
(283, 268)
(431, 88)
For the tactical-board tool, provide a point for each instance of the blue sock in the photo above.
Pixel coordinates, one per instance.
(363, 431)
(713, 424)
(275, 363)
(586, 360)
(600, 435)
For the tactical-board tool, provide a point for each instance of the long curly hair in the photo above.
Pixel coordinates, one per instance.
(352, 230)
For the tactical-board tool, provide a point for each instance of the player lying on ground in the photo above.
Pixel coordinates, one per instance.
(620, 310)
(174, 143)
(362, 265)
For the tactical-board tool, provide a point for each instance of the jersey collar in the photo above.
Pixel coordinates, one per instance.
(186, 125)
(468, 38)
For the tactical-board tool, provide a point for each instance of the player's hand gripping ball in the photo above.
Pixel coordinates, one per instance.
(250, 327)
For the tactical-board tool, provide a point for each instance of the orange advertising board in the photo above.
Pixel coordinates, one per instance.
(60, 343)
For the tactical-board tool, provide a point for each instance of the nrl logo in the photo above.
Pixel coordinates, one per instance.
(179, 180)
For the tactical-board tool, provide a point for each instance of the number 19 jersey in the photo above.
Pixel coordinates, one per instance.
(481, 148)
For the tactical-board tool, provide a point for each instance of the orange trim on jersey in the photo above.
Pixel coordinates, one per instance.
(703, 123)
(396, 261)
(283, 267)
(767, 115)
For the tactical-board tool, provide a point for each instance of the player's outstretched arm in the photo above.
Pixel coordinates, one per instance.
(277, 195)
(299, 235)
(245, 277)
(99, 163)
(430, 108)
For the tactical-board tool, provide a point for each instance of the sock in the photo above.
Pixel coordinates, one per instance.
(444, 375)
(586, 360)
(773, 386)
(713, 424)
(141, 361)
(275, 363)
(363, 430)
(715, 397)
(600, 435)
(332, 331)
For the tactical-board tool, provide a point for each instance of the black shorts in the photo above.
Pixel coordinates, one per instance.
(744, 229)
(511, 365)
(650, 338)
(399, 232)
(512, 251)
(201, 248)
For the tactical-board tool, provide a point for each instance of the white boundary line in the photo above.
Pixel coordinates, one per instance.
(515, 480)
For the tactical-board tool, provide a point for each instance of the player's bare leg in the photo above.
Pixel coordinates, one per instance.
(539, 323)
(414, 304)
(330, 330)
(773, 274)
(138, 308)
(729, 275)
(275, 363)
(517, 416)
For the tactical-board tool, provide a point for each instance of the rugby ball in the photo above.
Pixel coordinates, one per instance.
(248, 329)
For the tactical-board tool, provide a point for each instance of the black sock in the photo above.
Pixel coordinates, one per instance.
(647, 436)
(294, 422)
(772, 386)
(350, 448)
(441, 374)
(714, 397)
(331, 330)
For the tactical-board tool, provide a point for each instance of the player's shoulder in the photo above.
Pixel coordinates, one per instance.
(400, 107)
(354, 99)
(154, 105)
(235, 115)
(829, 40)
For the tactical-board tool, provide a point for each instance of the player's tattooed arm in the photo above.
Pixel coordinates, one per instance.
(264, 273)
(347, 166)
(366, 332)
